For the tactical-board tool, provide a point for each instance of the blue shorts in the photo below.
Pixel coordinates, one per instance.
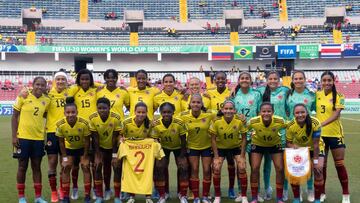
(267, 150)
(229, 153)
(52, 144)
(176, 152)
(203, 153)
(75, 152)
(30, 149)
(334, 142)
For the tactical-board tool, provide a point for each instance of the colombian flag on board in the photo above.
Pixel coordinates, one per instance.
(221, 53)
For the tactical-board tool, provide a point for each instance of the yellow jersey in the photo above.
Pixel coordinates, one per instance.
(297, 135)
(131, 130)
(118, 99)
(56, 108)
(146, 96)
(86, 102)
(138, 165)
(228, 135)
(216, 99)
(170, 136)
(105, 129)
(31, 122)
(324, 110)
(266, 136)
(175, 98)
(185, 103)
(74, 136)
(198, 137)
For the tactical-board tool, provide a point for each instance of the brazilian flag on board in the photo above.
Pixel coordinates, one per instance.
(243, 52)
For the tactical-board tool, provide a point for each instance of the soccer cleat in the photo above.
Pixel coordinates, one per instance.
(99, 200)
(259, 198)
(117, 200)
(345, 199)
(131, 200)
(107, 195)
(254, 201)
(54, 196)
(183, 199)
(161, 200)
(238, 198)
(296, 200)
(61, 194)
(22, 200)
(167, 196)
(209, 197)
(217, 200)
(317, 201)
(231, 193)
(280, 201)
(322, 197)
(124, 196)
(244, 199)
(65, 200)
(155, 194)
(40, 200)
(87, 199)
(75, 194)
(148, 200)
(196, 200)
(190, 195)
(311, 196)
(268, 193)
(205, 200)
(285, 196)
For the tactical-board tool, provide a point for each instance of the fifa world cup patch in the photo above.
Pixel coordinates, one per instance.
(49, 143)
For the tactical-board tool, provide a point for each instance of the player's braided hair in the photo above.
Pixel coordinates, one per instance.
(333, 90)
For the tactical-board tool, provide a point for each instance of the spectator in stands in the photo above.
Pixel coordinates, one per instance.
(44, 10)
(338, 26)
(217, 27)
(251, 9)
(202, 3)
(275, 5)
(347, 38)
(173, 32)
(208, 26)
(293, 36)
(264, 24)
(169, 32)
(234, 3)
(50, 41)
(1, 39)
(212, 31)
(348, 7)
(42, 40)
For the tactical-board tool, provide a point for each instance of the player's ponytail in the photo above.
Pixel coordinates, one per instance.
(69, 101)
(146, 120)
(308, 121)
(267, 93)
(333, 88)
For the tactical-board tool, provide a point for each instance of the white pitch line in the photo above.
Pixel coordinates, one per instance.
(351, 119)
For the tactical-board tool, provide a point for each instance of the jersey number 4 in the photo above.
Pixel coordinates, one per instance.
(142, 157)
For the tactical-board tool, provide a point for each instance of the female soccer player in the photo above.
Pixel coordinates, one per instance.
(171, 131)
(194, 88)
(276, 95)
(227, 132)
(119, 97)
(169, 94)
(142, 93)
(105, 127)
(199, 145)
(329, 104)
(247, 102)
(266, 139)
(27, 124)
(304, 131)
(136, 127)
(74, 139)
(299, 93)
(217, 96)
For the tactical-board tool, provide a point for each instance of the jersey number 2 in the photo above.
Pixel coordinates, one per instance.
(142, 157)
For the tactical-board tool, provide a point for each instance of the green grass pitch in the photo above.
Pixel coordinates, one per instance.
(8, 168)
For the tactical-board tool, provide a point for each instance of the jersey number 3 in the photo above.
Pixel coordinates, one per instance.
(142, 157)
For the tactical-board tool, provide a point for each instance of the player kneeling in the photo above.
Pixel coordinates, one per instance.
(298, 136)
(73, 133)
(105, 127)
(171, 132)
(228, 139)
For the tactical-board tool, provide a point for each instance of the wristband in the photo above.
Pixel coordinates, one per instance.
(65, 159)
(316, 161)
(114, 155)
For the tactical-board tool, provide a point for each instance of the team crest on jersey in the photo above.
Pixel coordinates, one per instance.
(91, 94)
(280, 97)
(18, 151)
(49, 143)
(66, 131)
(251, 102)
(234, 127)
(147, 92)
(173, 131)
(203, 120)
(274, 129)
(176, 98)
(330, 100)
(117, 96)
(306, 101)
(30, 101)
(79, 129)
(111, 125)
(66, 94)
(297, 159)
(43, 103)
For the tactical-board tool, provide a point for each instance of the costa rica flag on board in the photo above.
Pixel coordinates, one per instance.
(330, 51)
